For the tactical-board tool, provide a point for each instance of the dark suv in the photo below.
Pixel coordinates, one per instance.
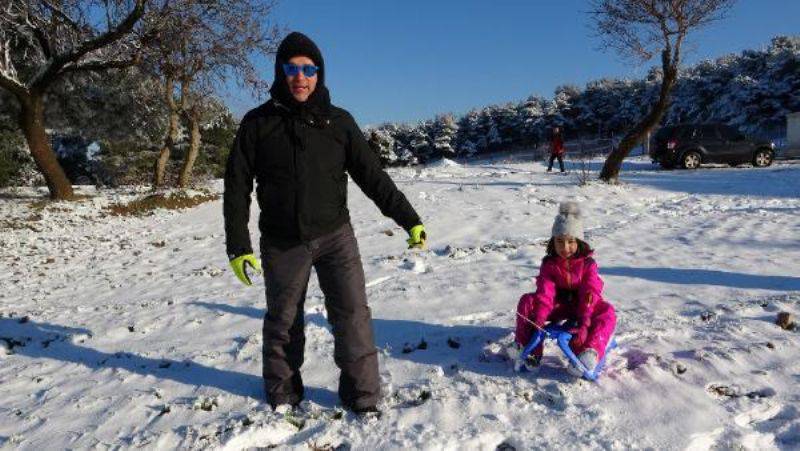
(689, 145)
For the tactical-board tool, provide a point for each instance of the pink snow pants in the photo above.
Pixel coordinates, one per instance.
(601, 328)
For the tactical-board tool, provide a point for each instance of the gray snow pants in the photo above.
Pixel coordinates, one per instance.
(336, 259)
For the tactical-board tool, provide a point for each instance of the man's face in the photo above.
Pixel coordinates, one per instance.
(301, 86)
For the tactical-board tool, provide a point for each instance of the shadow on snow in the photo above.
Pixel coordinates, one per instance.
(761, 182)
(694, 276)
(51, 341)
(451, 347)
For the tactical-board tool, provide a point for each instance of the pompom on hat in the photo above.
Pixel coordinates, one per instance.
(568, 221)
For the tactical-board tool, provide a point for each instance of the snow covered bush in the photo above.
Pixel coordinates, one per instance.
(16, 165)
(752, 91)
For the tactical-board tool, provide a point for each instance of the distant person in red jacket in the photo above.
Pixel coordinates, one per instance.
(556, 149)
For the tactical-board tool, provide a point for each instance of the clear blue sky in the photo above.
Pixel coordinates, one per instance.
(404, 61)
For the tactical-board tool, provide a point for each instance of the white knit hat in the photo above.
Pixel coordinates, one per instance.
(568, 221)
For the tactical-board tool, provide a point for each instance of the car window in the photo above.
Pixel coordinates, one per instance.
(729, 133)
(685, 132)
(707, 132)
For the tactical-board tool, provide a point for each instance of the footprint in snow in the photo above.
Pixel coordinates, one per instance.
(637, 358)
(728, 391)
(552, 396)
(416, 264)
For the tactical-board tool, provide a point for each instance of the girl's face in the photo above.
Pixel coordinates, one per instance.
(566, 246)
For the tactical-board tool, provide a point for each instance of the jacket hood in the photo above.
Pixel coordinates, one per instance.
(298, 44)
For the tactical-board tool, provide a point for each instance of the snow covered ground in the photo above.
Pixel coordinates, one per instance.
(132, 332)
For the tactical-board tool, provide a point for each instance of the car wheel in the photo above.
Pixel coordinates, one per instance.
(762, 158)
(691, 160)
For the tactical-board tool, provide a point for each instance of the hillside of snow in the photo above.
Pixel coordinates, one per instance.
(120, 332)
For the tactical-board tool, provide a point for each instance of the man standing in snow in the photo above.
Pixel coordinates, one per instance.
(556, 150)
(298, 146)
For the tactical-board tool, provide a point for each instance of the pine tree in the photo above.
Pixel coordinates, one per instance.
(420, 143)
(382, 142)
(403, 138)
(505, 120)
(445, 130)
(530, 120)
(468, 134)
(562, 109)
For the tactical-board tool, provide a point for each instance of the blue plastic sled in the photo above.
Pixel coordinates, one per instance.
(559, 333)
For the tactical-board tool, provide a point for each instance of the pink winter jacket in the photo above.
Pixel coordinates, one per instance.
(576, 274)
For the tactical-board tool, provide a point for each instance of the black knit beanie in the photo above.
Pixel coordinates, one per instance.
(298, 44)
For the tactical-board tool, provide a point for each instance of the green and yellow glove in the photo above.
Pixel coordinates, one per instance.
(417, 237)
(239, 265)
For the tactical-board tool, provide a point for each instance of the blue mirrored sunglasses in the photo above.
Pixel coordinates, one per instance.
(291, 70)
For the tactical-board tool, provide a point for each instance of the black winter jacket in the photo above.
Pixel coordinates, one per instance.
(299, 163)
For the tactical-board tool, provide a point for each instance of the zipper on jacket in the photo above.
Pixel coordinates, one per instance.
(296, 148)
(296, 144)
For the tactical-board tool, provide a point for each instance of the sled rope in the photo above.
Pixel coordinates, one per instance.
(531, 322)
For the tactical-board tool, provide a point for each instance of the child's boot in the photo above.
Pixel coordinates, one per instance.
(528, 364)
(588, 358)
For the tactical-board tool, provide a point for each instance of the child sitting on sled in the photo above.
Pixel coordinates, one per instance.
(568, 288)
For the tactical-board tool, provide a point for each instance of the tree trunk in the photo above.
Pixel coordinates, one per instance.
(31, 120)
(194, 150)
(611, 168)
(160, 169)
(163, 156)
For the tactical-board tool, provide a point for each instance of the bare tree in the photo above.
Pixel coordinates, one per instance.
(174, 106)
(41, 41)
(204, 44)
(640, 29)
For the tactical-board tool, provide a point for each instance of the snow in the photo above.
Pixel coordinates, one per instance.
(443, 163)
(133, 332)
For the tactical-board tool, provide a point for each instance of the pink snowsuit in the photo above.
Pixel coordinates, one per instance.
(572, 290)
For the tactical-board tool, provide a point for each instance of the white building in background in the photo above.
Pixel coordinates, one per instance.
(792, 135)
(793, 129)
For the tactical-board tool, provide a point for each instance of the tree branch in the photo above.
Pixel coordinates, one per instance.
(64, 16)
(13, 86)
(95, 66)
(8, 74)
(52, 70)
